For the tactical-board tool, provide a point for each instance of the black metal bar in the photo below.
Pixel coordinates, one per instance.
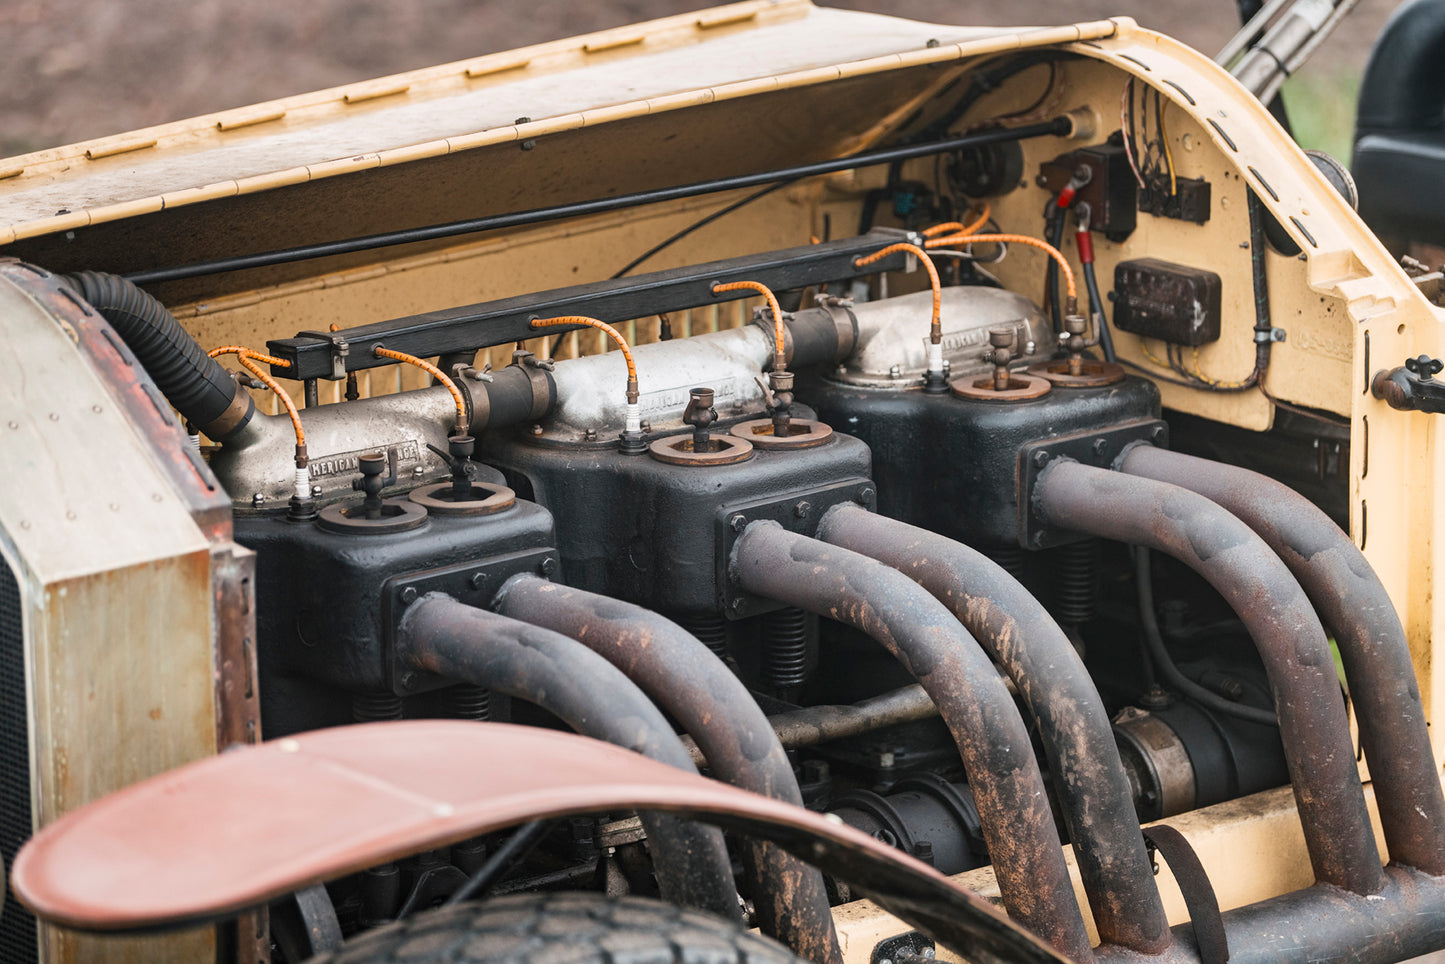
(1056, 128)
(476, 326)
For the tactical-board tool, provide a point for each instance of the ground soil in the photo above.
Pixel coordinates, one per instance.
(76, 69)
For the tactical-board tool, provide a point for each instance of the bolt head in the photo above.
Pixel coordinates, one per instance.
(1041, 459)
(737, 523)
(547, 566)
(802, 509)
(408, 595)
(478, 580)
(408, 680)
(537, 429)
(867, 495)
(258, 498)
(1100, 446)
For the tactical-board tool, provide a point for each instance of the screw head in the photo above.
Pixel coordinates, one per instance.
(408, 680)
(408, 595)
(802, 509)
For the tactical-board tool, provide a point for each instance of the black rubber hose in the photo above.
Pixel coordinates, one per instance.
(1096, 305)
(199, 388)
(440, 635)
(1163, 664)
(1054, 235)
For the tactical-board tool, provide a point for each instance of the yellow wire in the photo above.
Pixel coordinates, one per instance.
(1168, 154)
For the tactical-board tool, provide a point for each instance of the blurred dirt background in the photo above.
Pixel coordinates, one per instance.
(77, 69)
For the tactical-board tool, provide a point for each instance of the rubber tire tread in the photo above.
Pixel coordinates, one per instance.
(194, 383)
(561, 928)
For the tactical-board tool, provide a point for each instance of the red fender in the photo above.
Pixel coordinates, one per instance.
(216, 837)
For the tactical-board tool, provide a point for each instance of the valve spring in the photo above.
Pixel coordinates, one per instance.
(375, 707)
(785, 642)
(1009, 558)
(710, 628)
(1076, 582)
(472, 702)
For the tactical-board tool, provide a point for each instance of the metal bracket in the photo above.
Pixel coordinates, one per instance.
(799, 512)
(339, 350)
(473, 583)
(904, 948)
(1099, 448)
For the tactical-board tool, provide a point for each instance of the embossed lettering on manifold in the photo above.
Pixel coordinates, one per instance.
(345, 463)
(676, 399)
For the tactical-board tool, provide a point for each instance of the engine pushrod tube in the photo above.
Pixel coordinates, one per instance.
(1372, 643)
(1028, 644)
(1055, 128)
(684, 678)
(440, 635)
(1260, 589)
(825, 722)
(1017, 822)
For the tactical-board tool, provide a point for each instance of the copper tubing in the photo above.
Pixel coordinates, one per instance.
(610, 332)
(935, 331)
(440, 635)
(1028, 644)
(697, 689)
(1044, 246)
(434, 372)
(1013, 804)
(780, 345)
(245, 356)
(1372, 643)
(949, 227)
(1257, 585)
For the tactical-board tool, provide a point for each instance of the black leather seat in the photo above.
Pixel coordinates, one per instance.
(1399, 162)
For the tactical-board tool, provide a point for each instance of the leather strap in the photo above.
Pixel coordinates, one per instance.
(1198, 892)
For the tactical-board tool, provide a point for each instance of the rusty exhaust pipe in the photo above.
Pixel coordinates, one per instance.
(439, 635)
(1024, 640)
(1246, 572)
(712, 705)
(1351, 600)
(971, 697)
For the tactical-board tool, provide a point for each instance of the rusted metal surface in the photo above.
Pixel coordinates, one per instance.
(1372, 644)
(812, 725)
(683, 677)
(1025, 641)
(357, 796)
(442, 636)
(1273, 607)
(1322, 923)
(1013, 804)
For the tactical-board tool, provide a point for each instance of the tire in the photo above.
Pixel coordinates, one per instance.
(561, 928)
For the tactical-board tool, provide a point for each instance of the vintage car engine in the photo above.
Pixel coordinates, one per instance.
(941, 526)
